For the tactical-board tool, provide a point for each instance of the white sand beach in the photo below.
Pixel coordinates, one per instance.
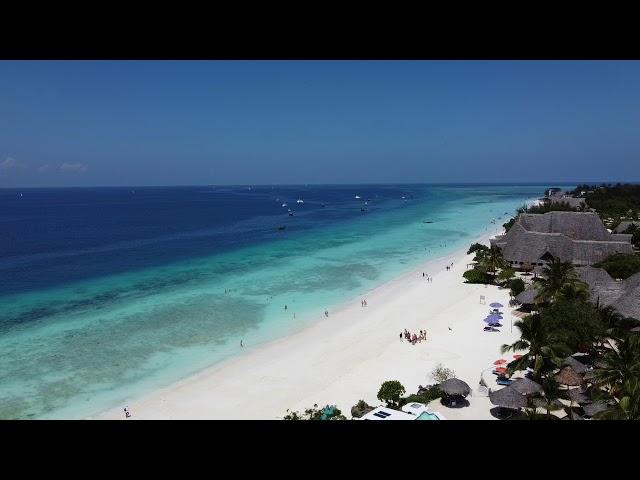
(347, 356)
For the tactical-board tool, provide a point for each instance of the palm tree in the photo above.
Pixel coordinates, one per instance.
(551, 394)
(574, 291)
(491, 260)
(557, 276)
(544, 348)
(628, 407)
(619, 365)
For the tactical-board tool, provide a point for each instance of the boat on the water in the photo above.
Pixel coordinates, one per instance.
(357, 196)
(284, 204)
(299, 201)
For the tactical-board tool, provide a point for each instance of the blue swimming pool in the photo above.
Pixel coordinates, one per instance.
(427, 416)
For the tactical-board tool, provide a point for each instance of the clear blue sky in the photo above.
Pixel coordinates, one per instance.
(238, 122)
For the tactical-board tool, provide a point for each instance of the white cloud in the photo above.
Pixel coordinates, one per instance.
(43, 168)
(73, 167)
(9, 163)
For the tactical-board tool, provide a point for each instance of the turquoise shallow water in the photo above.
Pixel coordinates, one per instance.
(91, 344)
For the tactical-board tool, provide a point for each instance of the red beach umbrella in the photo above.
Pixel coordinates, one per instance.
(501, 370)
(500, 362)
(517, 357)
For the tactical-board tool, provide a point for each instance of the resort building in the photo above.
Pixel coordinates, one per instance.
(384, 413)
(413, 411)
(555, 195)
(576, 237)
(623, 226)
(623, 295)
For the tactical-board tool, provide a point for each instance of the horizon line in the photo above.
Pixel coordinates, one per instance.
(536, 183)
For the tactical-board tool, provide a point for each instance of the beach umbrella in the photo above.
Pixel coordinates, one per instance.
(496, 305)
(495, 316)
(568, 376)
(577, 366)
(508, 397)
(500, 362)
(517, 356)
(526, 386)
(501, 370)
(454, 386)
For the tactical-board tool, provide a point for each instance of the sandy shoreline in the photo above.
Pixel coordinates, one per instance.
(347, 356)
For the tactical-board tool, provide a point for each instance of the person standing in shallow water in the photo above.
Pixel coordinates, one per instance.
(241, 343)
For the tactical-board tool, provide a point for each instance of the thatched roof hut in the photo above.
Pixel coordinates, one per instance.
(455, 387)
(568, 376)
(596, 407)
(577, 366)
(508, 397)
(576, 237)
(577, 396)
(526, 386)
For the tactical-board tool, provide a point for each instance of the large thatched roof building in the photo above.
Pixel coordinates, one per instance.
(576, 237)
(623, 295)
(623, 226)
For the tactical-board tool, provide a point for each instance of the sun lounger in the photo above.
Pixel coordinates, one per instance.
(501, 381)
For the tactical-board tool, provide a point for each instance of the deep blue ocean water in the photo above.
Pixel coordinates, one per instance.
(106, 293)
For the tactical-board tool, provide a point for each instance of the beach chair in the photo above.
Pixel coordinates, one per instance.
(503, 381)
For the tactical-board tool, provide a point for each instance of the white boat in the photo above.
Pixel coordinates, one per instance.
(299, 201)
(284, 204)
(357, 196)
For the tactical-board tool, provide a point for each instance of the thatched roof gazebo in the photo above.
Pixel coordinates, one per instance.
(594, 408)
(526, 386)
(577, 396)
(508, 397)
(568, 376)
(576, 365)
(455, 387)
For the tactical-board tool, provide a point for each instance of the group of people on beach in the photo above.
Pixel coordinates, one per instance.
(427, 277)
(363, 303)
(449, 267)
(412, 337)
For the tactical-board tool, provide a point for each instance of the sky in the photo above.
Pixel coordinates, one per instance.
(112, 123)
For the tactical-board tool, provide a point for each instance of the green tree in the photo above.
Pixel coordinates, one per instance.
(551, 394)
(556, 276)
(628, 407)
(490, 261)
(620, 364)
(390, 392)
(477, 247)
(517, 286)
(506, 274)
(544, 349)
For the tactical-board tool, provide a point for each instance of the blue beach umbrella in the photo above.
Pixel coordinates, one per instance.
(496, 305)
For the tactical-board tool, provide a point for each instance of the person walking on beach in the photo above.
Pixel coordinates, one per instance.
(127, 413)
(400, 336)
(241, 345)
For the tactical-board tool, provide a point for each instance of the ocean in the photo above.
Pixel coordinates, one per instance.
(109, 293)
